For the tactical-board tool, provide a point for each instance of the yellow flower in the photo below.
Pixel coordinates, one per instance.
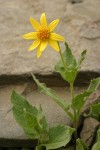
(44, 35)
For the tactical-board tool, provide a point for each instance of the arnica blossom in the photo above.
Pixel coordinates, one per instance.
(44, 35)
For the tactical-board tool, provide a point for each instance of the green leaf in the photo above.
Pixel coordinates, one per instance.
(94, 85)
(96, 146)
(59, 136)
(32, 122)
(22, 104)
(41, 119)
(42, 88)
(95, 111)
(40, 147)
(69, 73)
(79, 100)
(31, 119)
(69, 58)
(36, 124)
(20, 118)
(82, 57)
(32, 128)
(80, 145)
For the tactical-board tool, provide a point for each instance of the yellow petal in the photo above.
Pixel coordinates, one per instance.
(43, 20)
(39, 52)
(30, 36)
(43, 45)
(34, 45)
(53, 24)
(56, 37)
(35, 24)
(54, 45)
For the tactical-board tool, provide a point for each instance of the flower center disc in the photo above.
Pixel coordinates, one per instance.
(43, 34)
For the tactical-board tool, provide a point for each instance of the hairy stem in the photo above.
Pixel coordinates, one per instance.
(75, 113)
(72, 90)
(61, 56)
(62, 59)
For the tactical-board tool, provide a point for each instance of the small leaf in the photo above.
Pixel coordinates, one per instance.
(20, 118)
(32, 126)
(96, 146)
(59, 136)
(94, 85)
(42, 88)
(79, 100)
(69, 58)
(22, 104)
(80, 145)
(29, 118)
(41, 119)
(82, 57)
(40, 147)
(95, 111)
(36, 124)
(69, 73)
(32, 122)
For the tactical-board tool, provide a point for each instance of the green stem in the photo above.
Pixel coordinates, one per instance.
(72, 95)
(61, 56)
(38, 143)
(75, 113)
(62, 59)
(72, 90)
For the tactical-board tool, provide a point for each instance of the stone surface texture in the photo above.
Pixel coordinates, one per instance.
(89, 130)
(79, 24)
(9, 129)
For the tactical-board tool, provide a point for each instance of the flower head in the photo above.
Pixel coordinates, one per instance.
(43, 35)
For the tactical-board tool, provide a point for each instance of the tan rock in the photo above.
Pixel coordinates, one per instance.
(80, 25)
(9, 129)
(89, 129)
